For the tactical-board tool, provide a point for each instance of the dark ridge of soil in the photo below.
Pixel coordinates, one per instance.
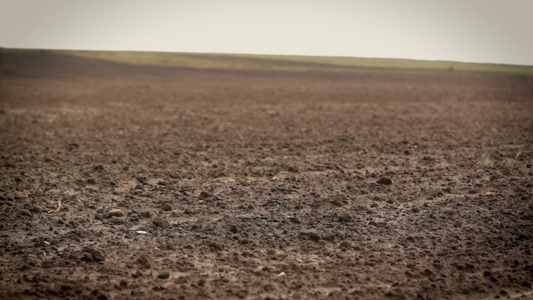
(179, 183)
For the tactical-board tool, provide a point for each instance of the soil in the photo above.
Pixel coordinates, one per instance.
(180, 183)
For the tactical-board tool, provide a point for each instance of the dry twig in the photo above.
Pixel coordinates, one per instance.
(58, 209)
(36, 191)
(518, 154)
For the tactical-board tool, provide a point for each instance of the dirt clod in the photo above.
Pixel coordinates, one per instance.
(88, 257)
(204, 195)
(163, 275)
(385, 181)
(98, 168)
(345, 218)
(116, 213)
(25, 212)
(98, 255)
(345, 245)
(311, 235)
(144, 260)
(93, 254)
(215, 246)
(160, 222)
(167, 207)
(295, 220)
(145, 214)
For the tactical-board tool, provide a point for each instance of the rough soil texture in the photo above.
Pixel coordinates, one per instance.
(180, 183)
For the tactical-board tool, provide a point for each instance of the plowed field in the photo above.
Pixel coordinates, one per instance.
(183, 183)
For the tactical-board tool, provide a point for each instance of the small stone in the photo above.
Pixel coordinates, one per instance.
(167, 207)
(163, 275)
(20, 195)
(91, 181)
(117, 221)
(385, 181)
(116, 213)
(160, 222)
(169, 286)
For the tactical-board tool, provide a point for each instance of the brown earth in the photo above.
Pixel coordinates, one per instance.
(181, 183)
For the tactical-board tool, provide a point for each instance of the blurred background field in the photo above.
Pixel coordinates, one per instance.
(282, 62)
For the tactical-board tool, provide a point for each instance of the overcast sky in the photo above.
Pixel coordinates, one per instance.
(498, 31)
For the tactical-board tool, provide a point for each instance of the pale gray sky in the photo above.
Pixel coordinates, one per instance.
(498, 31)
